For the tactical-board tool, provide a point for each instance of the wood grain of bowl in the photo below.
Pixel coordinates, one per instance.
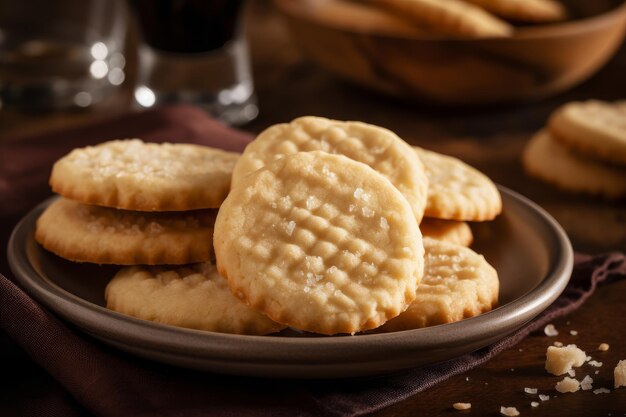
(398, 59)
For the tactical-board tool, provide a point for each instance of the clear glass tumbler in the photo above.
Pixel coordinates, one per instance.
(194, 51)
(60, 53)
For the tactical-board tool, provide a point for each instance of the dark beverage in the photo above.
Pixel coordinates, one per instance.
(187, 26)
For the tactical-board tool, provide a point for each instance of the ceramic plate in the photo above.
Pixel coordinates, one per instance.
(527, 247)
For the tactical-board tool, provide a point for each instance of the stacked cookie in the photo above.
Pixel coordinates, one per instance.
(582, 150)
(472, 18)
(329, 227)
(126, 202)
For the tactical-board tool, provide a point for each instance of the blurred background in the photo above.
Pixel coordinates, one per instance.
(265, 62)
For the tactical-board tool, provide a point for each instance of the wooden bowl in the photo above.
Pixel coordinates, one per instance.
(536, 62)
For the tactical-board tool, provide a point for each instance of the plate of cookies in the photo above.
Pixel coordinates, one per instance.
(326, 249)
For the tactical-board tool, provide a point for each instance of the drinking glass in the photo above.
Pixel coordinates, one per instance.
(194, 51)
(61, 53)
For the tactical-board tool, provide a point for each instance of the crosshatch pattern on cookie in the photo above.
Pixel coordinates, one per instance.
(321, 243)
(192, 296)
(458, 283)
(374, 146)
(457, 191)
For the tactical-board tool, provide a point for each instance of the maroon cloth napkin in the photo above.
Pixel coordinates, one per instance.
(85, 376)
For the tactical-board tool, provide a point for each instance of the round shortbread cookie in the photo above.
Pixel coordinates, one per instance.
(550, 161)
(321, 243)
(192, 296)
(375, 146)
(456, 191)
(133, 175)
(450, 17)
(594, 128)
(102, 235)
(458, 283)
(534, 11)
(447, 230)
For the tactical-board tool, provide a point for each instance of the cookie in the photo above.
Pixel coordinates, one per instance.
(321, 243)
(192, 296)
(379, 148)
(362, 17)
(458, 283)
(533, 11)
(447, 230)
(594, 128)
(450, 17)
(133, 175)
(548, 160)
(102, 235)
(457, 191)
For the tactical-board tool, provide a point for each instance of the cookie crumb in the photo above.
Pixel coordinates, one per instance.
(560, 360)
(595, 363)
(530, 390)
(573, 332)
(550, 330)
(534, 404)
(596, 372)
(462, 406)
(544, 397)
(509, 411)
(601, 391)
(603, 347)
(558, 344)
(619, 374)
(571, 373)
(586, 383)
(567, 385)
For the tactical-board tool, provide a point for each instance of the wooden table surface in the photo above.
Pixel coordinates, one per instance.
(490, 138)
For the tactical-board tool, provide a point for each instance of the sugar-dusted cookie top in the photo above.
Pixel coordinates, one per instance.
(447, 230)
(550, 161)
(192, 296)
(320, 242)
(594, 128)
(450, 17)
(534, 11)
(133, 175)
(103, 235)
(375, 146)
(457, 191)
(458, 283)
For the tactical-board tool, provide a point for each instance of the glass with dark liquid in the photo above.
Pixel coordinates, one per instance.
(194, 51)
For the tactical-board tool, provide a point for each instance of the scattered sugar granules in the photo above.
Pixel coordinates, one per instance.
(573, 332)
(567, 385)
(601, 391)
(550, 330)
(544, 397)
(534, 404)
(595, 363)
(530, 390)
(509, 411)
(462, 406)
(586, 383)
